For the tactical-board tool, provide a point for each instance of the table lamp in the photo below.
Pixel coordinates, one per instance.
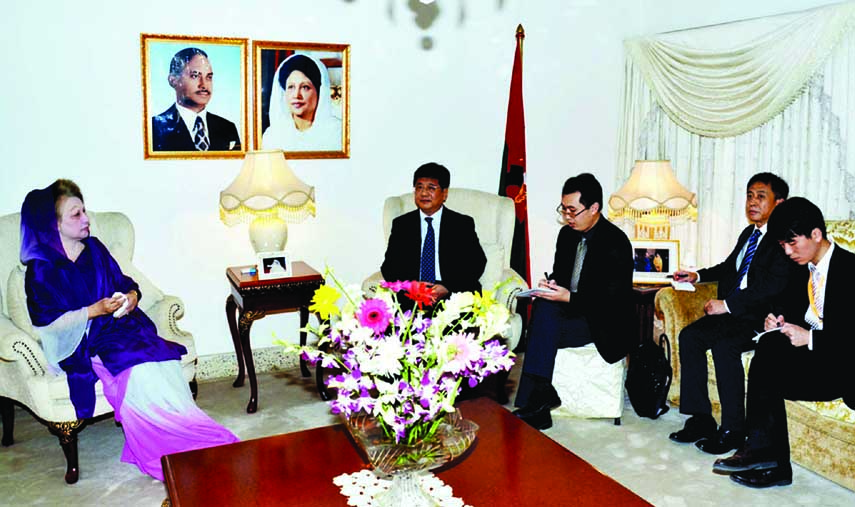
(651, 198)
(268, 195)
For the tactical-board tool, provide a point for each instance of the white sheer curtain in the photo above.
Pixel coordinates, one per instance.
(723, 103)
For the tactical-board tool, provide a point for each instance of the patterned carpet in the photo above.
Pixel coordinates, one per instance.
(638, 454)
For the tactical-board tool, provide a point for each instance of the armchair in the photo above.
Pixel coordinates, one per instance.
(822, 434)
(494, 222)
(25, 376)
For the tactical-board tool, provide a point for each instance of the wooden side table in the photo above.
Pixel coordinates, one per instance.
(251, 299)
(644, 297)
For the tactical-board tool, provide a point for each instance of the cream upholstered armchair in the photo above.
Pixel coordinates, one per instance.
(25, 376)
(822, 434)
(494, 222)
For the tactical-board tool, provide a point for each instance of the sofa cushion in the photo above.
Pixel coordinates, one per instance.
(836, 409)
(17, 301)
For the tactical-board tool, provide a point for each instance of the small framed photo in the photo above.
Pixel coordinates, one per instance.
(301, 98)
(272, 265)
(654, 260)
(194, 96)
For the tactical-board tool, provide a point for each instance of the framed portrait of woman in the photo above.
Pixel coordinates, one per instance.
(301, 98)
(194, 96)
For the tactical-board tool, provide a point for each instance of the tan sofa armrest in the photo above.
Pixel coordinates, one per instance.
(16, 345)
(678, 309)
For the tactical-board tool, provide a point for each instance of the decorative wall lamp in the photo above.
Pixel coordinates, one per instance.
(651, 199)
(268, 195)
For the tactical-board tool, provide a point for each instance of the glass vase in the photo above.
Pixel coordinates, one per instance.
(407, 463)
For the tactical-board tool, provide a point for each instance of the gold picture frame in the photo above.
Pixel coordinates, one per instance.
(165, 61)
(654, 261)
(294, 124)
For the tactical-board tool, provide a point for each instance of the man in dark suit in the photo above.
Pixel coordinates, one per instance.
(809, 356)
(187, 125)
(587, 298)
(749, 279)
(433, 243)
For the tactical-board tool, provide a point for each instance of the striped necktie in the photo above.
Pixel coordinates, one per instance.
(428, 266)
(817, 298)
(749, 254)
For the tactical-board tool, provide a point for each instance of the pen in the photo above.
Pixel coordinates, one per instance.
(546, 276)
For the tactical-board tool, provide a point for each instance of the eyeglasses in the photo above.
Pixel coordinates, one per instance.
(567, 210)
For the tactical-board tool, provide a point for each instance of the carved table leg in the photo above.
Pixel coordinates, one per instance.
(67, 434)
(244, 324)
(304, 321)
(7, 410)
(231, 316)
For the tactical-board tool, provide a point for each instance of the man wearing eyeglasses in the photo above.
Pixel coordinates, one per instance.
(749, 279)
(433, 243)
(586, 299)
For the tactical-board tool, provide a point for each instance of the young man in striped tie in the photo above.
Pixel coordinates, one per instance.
(809, 358)
(749, 279)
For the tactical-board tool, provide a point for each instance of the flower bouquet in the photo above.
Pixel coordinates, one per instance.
(399, 371)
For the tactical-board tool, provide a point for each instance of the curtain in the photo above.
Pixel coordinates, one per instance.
(723, 103)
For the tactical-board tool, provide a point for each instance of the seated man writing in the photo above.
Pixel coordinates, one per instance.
(434, 244)
(586, 299)
(808, 357)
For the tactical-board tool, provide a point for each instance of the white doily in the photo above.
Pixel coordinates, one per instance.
(361, 487)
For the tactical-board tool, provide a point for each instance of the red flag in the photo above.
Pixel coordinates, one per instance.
(512, 177)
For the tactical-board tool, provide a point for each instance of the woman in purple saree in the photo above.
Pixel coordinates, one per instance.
(73, 287)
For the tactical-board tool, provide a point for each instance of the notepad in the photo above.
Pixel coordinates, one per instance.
(686, 286)
(759, 334)
(537, 291)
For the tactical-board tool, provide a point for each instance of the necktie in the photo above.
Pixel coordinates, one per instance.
(200, 138)
(749, 254)
(428, 268)
(817, 298)
(581, 249)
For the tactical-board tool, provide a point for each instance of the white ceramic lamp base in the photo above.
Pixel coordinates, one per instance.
(268, 234)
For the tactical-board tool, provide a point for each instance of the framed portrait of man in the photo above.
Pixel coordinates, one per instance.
(301, 98)
(194, 96)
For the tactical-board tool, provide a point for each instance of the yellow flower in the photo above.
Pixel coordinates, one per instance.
(324, 302)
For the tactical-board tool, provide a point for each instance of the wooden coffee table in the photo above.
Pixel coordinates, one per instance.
(509, 464)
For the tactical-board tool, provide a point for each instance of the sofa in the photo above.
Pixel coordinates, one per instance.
(822, 434)
(25, 376)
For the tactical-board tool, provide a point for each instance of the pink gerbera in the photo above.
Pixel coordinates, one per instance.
(374, 314)
(396, 286)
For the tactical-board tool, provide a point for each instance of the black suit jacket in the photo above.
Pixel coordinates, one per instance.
(604, 296)
(834, 344)
(767, 275)
(461, 258)
(169, 133)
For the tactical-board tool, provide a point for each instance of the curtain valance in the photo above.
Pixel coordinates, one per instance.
(724, 93)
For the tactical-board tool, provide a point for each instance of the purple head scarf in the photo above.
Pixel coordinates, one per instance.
(39, 233)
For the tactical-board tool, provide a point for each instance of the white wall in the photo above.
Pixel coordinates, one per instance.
(71, 107)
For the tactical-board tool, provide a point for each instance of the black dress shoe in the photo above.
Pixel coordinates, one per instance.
(745, 460)
(539, 420)
(696, 428)
(723, 441)
(546, 397)
(766, 478)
